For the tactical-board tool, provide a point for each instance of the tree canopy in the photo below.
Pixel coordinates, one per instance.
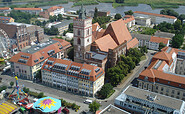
(117, 16)
(130, 12)
(105, 90)
(119, 1)
(94, 106)
(95, 13)
(169, 12)
(161, 45)
(177, 40)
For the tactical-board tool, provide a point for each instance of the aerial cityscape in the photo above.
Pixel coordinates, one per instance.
(92, 57)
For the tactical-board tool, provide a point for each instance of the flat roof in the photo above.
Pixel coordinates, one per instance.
(19, 24)
(111, 109)
(160, 99)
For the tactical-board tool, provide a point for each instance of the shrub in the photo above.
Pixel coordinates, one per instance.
(40, 95)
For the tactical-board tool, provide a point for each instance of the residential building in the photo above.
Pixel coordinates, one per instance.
(5, 10)
(164, 35)
(92, 44)
(55, 10)
(61, 26)
(20, 34)
(165, 74)
(156, 18)
(35, 11)
(139, 101)
(26, 63)
(129, 20)
(110, 109)
(143, 21)
(151, 42)
(99, 14)
(78, 78)
(6, 19)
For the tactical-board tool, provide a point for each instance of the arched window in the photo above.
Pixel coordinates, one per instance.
(78, 32)
(79, 41)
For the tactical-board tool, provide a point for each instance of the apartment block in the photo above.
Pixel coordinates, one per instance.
(71, 76)
(35, 11)
(26, 63)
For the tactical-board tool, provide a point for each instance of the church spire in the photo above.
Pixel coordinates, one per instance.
(82, 13)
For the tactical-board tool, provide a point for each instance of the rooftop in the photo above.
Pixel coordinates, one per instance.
(141, 36)
(27, 8)
(159, 40)
(19, 24)
(63, 23)
(164, 34)
(155, 97)
(97, 56)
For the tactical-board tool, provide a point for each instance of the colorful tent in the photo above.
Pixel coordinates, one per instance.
(47, 104)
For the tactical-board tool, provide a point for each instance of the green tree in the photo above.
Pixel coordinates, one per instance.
(59, 18)
(6, 0)
(70, 27)
(68, 18)
(38, 23)
(55, 18)
(26, 90)
(105, 90)
(177, 40)
(161, 45)
(103, 26)
(169, 12)
(128, 60)
(38, 75)
(119, 1)
(70, 53)
(95, 13)
(94, 106)
(117, 16)
(11, 83)
(181, 17)
(51, 19)
(130, 12)
(40, 95)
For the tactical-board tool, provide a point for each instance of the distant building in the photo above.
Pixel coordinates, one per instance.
(165, 74)
(143, 21)
(55, 10)
(35, 11)
(164, 34)
(61, 26)
(6, 19)
(156, 18)
(5, 10)
(129, 20)
(99, 14)
(20, 34)
(26, 63)
(75, 77)
(92, 44)
(139, 101)
(151, 42)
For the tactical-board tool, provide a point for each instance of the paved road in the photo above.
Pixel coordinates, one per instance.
(70, 97)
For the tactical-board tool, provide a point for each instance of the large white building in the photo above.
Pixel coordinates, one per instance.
(75, 77)
(139, 101)
(156, 18)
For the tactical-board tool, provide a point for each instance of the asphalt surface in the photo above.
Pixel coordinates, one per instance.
(70, 97)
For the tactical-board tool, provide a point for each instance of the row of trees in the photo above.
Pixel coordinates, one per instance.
(127, 63)
(51, 31)
(119, 1)
(105, 91)
(172, 13)
(55, 18)
(21, 17)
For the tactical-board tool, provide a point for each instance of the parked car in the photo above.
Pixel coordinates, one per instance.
(87, 101)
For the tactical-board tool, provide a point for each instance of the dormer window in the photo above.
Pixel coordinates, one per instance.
(146, 78)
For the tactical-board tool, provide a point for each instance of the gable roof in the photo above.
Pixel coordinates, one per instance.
(128, 18)
(134, 42)
(159, 40)
(5, 8)
(118, 31)
(105, 43)
(54, 8)
(9, 29)
(159, 15)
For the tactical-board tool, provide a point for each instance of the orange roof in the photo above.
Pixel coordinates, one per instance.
(95, 26)
(92, 75)
(105, 43)
(118, 31)
(62, 42)
(129, 18)
(5, 8)
(54, 8)
(38, 54)
(27, 8)
(159, 40)
(159, 15)
(132, 43)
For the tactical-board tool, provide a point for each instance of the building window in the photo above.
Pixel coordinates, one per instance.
(78, 32)
(178, 93)
(88, 40)
(183, 94)
(79, 41)
(173, 91)
(161, 88)
(157, 87)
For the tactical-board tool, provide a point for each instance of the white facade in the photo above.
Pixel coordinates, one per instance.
(59, 11)
(143, 21)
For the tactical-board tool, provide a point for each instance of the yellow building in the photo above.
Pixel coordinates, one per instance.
(6, 19)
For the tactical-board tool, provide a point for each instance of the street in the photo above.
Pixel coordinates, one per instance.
(70, 97)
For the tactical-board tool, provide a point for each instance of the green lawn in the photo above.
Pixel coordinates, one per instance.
(143, 57)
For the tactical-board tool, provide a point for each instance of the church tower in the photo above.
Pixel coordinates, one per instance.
(82, 29)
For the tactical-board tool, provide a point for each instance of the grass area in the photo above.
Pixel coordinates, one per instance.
(143, 57)
(110, 93)
(114, 5)
(106, 1)
(85, 2)
(146, 30)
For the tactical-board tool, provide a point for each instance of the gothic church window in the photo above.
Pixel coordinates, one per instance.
(79, 41)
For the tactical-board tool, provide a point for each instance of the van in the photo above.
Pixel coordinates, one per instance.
(88, 101)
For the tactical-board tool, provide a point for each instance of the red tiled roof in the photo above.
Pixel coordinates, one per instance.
(159, 15)
(129, 18)
(62, 42)
(131, 44)
(105, 43)
(118, 31)
(54, 8)
(92, 74)
(159, 40)
(5, 8)
(27, 8)
(38, 54)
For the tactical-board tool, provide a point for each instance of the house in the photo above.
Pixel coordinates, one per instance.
(26, 63)
(75, 77)
(5, 10)
(93, 44)
(99, 14)
(151, 42)
(35, 11)
(20, 34)
(129, 20)
(156, 18)
(6, 19)
(61, 26)
(139, 101)
(164, 35)
(55, 10)
(165, 74)
(143, 21)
